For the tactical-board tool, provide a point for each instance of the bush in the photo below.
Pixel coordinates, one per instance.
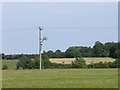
(24, 63)
(45, 61)
(117, 63)
(101, 65)
(79, 63)
(36, 64)
(4, 67)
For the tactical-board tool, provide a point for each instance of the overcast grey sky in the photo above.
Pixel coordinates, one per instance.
(65, 24)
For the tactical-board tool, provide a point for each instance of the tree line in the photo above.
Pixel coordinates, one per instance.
(109, 49)
(26, 63)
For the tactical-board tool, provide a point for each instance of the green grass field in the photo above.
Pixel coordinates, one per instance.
(61, 78)
(58, 78)
(10, 63)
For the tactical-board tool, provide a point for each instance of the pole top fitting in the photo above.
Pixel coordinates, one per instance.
(40, 29)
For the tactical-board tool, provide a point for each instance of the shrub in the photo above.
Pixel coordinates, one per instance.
(45, 61)
(24, 63)
(79, 63)
(4, 67)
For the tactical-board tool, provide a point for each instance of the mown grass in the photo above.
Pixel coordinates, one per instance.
(60, 78)
(10, 63)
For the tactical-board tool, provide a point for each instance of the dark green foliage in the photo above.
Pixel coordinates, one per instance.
(101, 65)
(115, 64)
(70, 53)
(25, 63)
(60, 66)
(58, 54)
(109, 49)
(79, 63)
(45, 61)
(4, 67)
(118, 50)
(50, 54)
(3, 56)
(108, 46)
(17, 56)
(113, 51)
(36, 63)
(112, 65)
(99, 50)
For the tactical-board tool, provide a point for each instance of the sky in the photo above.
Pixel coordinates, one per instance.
(65, 24)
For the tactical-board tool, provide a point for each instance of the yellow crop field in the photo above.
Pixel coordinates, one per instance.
(88, 60)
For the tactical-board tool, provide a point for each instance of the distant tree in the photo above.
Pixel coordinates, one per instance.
(24, 63)
(113, 51)
(112, 64)
(45, 61)
(50, 54)
(4, 67)
(99, 50)
(118, 50)
(108, 46)
(79, 63)
(69, 53)
(85, 51)
(103, 65)
(58, 54)
(79, 51)
(3, 56)
(117, 63)
(36, 63)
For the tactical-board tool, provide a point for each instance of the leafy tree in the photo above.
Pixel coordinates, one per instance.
(36, 62)
(50, 54)
(108, 46)
(4, 67)
(3, 56)
(118, 49)
(85, 51)
(99, 50)
(109, 49)
(70, 52)
(59, 54)
(113, 51)
(77, 52)
(79, 63)
(45, 61)
(101, 65)
(117, 63)
(25, 63)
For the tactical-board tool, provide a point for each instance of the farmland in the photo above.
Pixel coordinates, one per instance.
(61, 78)
(88, 60)
(12, 63)
(58, 78)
